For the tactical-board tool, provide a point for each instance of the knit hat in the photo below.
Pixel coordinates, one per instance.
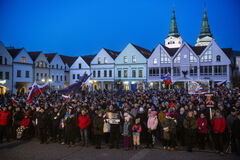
(141, 109)
(154, 113)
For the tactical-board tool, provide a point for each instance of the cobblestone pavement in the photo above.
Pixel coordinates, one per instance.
(32, 150)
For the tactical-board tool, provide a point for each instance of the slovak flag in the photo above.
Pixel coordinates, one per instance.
(66, 98)
(167, 78)
(14, 102)
(34, 91)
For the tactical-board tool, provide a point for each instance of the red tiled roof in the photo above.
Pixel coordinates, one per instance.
(50, 56)
(34, 54)
(112, 53)
(145, 52)
(14, 52)
(68, 60)
(88, 58)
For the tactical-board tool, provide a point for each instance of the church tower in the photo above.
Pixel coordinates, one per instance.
(173, 40)
(205, 36)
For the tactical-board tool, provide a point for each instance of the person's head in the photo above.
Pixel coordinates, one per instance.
(190, 114)
(4, 108)
(202, 115)
(83, 112)
(55, 109)
(217, 113)
(26, 115)
(99, 114)
(17, 109)
(233, 112)
(182, 111)
(41, 110)
(9, 107)
(153, 113)
(137, 121)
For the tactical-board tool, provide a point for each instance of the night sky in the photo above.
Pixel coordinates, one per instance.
(80, 27)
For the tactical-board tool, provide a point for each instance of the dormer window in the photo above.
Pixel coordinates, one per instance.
(218, 58)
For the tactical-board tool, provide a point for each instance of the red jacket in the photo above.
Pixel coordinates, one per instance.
(202, 124)
(219, 124)
(83, 122)
(25, 122)
(4, 118)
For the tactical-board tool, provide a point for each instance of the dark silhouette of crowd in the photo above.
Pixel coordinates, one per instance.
(169, 119)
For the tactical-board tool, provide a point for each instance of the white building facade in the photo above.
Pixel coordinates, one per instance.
(6, 76)
(56, 67)
(102, 69)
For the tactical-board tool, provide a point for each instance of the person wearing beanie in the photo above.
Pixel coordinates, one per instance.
(219, 126)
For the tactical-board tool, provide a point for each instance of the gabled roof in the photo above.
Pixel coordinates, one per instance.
(68, 60)
(198, 49)
(50, 56)
(88, 58)
(145, 52)
(14, 52)
(34, 55)
(228, 52)
(171, 51)
(112, 53)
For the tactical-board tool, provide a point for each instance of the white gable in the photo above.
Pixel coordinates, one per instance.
(5, 54)
(130, 51)
(41, 58)
(102, 54)
(57, 60)
(23, 53)
(79, 60)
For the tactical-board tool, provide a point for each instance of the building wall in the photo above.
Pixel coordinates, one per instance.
(140, 64)
(109, 66)
(42, 72)
(23, 67)
(74, 70)
(57, 84)
(6, 67)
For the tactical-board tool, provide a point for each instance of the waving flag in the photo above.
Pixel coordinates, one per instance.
(221, 83)
(66, 98)
(75, 86)
(14, 102)
(167, 78)
(34, 91)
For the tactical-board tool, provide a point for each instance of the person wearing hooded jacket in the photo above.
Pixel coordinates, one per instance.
(152, 126)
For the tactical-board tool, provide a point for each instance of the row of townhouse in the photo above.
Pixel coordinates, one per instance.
(110, 69)
(19, 69)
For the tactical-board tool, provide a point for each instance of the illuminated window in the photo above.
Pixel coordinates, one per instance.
(105, 60)
(207, 57)
(23, 60)
(125, 59)
(164, 58)
(155, 61)
(125, 73)
(140, 73)
(177, 59)
(133, 59)
(192, 58)
(99, 60)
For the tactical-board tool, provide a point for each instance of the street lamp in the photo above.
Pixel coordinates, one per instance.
(43, 80)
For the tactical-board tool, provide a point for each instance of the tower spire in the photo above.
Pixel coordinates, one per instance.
(205, 29)
(173, 27)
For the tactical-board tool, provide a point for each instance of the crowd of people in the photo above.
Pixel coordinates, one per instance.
(171, 119)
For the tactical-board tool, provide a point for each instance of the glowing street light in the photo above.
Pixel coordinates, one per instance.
(43, 80)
